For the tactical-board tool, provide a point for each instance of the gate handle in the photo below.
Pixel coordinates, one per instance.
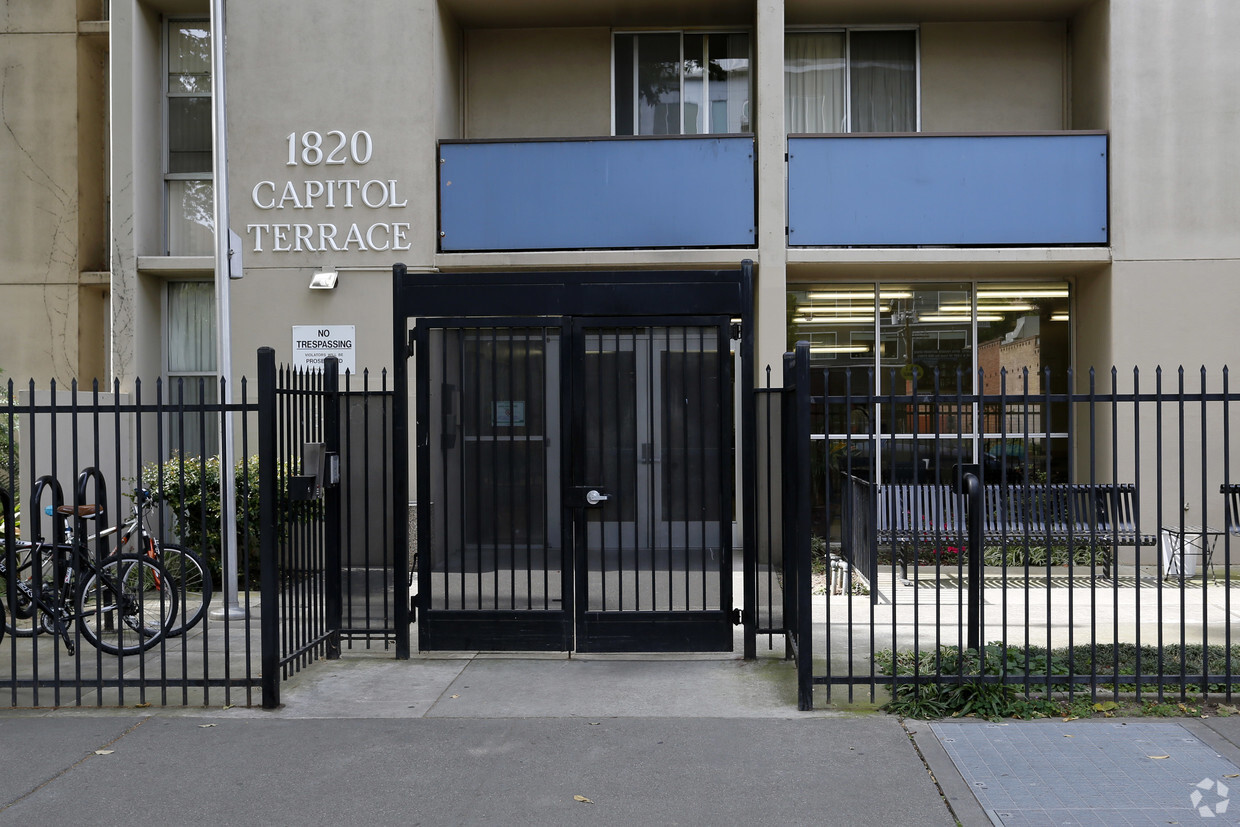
(594, 497)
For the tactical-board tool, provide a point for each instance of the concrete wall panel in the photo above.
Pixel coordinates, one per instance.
(992, 77)
(538, 83)
(1175, 170)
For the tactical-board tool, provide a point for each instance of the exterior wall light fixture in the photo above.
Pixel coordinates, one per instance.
(325, 280)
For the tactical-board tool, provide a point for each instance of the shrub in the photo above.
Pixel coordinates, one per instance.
(190, 488)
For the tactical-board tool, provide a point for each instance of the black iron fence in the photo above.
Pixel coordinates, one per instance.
(100, 473)
(89, 478)
(1063, 536)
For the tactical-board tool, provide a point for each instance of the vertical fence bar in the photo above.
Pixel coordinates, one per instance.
(333, 578)
(797, 376)
(267, 528)
(971, 487)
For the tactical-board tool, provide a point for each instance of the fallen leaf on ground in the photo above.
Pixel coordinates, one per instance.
(454, 696)
(104, 751)
(142, 705)
(582, 799)
(204, 726)
(1158, 757)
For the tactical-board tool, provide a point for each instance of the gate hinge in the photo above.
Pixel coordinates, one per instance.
(737, 328)
(413, 610)
(409, 346)
(737, 619)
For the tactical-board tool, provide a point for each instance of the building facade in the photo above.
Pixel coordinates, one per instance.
(920, 183)
(108, 162)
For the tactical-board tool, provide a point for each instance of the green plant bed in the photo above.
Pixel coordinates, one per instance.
(974, 695)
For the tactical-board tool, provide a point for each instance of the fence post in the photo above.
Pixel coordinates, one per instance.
(400, 454)
(801, 526)
(971, 487)
(749, 464)
(332, 580)
(269, 642)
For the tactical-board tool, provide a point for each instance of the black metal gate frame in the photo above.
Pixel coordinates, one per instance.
(552, 294)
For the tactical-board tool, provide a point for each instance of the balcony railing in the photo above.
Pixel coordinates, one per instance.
(947, 190)
(603, 193)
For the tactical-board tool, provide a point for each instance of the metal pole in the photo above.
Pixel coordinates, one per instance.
(973, 506)
(223, 312)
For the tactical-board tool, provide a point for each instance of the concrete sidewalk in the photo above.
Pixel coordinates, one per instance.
(489, 739)
(478, 740)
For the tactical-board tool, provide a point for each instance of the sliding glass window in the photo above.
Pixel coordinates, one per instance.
(862, 80)
(682, 83)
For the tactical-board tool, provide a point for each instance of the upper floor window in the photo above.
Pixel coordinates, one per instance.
(862, 80)
(682, 83)
(190, 225)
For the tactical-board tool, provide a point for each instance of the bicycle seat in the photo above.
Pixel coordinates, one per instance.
(77, 511)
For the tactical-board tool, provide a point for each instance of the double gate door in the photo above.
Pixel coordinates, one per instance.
(574, 481)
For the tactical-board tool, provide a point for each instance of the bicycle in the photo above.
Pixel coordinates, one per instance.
(189, 572)
(123, 604)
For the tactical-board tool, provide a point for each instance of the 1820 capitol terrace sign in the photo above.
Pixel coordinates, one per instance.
(332, 151)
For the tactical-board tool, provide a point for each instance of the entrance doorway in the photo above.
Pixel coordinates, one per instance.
(575, 474)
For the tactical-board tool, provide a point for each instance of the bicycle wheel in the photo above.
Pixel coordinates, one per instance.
(127, 605)
(193, 585)
(23, 618)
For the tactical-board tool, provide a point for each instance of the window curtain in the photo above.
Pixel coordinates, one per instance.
(191, 366)
(814, 98)
(883, 81)
(191, 327)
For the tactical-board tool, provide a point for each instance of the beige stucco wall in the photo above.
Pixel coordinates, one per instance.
(538, 83)
(992, 77)
(1175, 183)
(136, 193)
(275, 88)
(39, 183)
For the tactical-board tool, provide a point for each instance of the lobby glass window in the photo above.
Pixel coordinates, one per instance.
(862, 80)
(682, 83)
(191, 367)
(188, 192)
(942, 339)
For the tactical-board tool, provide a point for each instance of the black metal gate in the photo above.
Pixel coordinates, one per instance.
(575, 469)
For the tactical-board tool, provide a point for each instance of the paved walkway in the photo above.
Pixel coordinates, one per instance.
(475, 739)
